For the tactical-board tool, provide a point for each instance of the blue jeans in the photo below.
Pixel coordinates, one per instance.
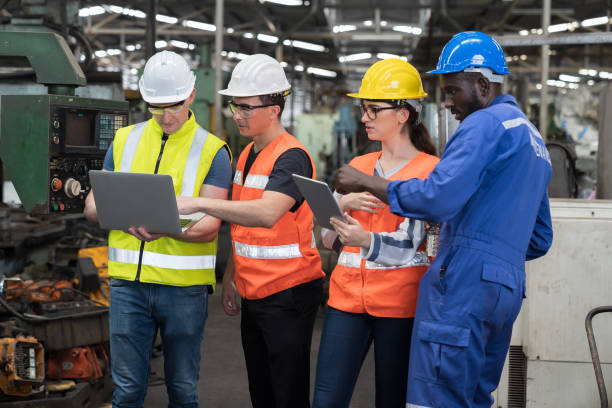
(345, 342)
(137, 312)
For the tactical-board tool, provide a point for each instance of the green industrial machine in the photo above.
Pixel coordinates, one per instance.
(48, 143)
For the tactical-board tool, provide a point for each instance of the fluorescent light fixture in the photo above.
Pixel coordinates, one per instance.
(573, 86)
(179, 44)
(166, 19)
(408, 29)
(236, 55)
(605, 75)
(321, 72)
(299, 68)
(229, 30)
(384, 55)
(589, 22)
(367, 23)
(192, 47)
(524, 32)
(100, 53)
(556, 28)
(199, 25)
(224, 53)
(113, 51)
(284, 64)
(267, 38)
(589, 72)
(127, 11)
(91, 11)
(523, 57)
(590, 82)
(538, 86)
(383, 23)
(161, 44)
(305, 45)
(248, 35)
(355, 57)
(342, 28)
(569, 78)
(555, 83)
(130, 47)
(292, 3)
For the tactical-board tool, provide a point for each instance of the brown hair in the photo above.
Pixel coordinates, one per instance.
(419, 135)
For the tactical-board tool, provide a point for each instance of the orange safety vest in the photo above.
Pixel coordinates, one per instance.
(269, 260)
(360, 286)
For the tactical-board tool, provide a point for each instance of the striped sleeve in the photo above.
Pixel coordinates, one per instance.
(397, 247)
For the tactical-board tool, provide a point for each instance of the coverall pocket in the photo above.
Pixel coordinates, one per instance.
(493, 279)
(442, 354)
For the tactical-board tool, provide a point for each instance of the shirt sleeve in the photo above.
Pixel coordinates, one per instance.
(398, 247)
(109, 162)
(220, 173)
(542, 236)
(290, 162)
(457, 176)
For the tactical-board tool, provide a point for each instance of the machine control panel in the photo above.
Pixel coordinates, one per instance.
(69, 183)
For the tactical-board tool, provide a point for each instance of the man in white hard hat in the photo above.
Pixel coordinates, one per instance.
(161, 282)
(276, 267)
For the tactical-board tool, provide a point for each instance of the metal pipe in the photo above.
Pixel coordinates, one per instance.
(150, 31)
(218, 125)
(545, 57)
(601, 385)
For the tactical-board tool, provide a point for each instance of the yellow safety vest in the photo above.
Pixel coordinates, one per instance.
(187, 157)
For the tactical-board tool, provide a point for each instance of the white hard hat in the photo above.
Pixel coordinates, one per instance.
(257, 74)
(166, 78)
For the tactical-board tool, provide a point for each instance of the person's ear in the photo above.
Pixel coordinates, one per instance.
(403, 115)
(274, 111)
(483, 86)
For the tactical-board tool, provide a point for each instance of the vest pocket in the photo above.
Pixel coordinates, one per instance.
(443, 348)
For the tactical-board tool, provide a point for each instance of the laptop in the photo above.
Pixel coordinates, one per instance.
(125, 200)
(320, 199)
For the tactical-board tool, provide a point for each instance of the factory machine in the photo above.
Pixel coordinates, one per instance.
(53, 287)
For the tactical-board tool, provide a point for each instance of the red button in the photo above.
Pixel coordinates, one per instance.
(62, 207)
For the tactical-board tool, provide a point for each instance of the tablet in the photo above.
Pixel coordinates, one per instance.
(125, 200)
(320, 199)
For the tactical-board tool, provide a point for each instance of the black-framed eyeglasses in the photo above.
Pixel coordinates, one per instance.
(247, 110)
(372, 111)
(158, 110)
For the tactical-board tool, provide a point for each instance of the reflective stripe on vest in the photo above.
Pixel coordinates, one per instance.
(270, 252)
(238, 177)
(129, 150)
(353, 260)
(256, 181)
(129, 256)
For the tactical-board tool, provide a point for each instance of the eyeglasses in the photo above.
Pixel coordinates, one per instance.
(371, 111)
(158, 110)
(247, 110)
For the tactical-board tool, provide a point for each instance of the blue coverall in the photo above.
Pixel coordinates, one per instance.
(490, 192)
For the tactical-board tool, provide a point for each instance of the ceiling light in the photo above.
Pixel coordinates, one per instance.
(100, 53)
(292, 3)
(299, 68)
(321, 72)
(569, 78)
(538, 86)
(199, 25)
(342, 28)
(605, 75)
(161, 44)
(305, 45)
(248, 35)
(590, 82)
(523, 57)
(589, 22)
(113, 51)
(166, 19)
(573, 86)
(284, 64)
(523, 32)
(267, 38)
(355, 57)
(229, 30)
(383, 23)
(91, 11)
(367, 23)
(589, 72)
(384, 55)
(179, 44)
(555, 28)
(130, 47)
(408, 29)
(127, 11)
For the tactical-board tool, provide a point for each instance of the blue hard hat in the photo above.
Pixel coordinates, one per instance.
(471, 49)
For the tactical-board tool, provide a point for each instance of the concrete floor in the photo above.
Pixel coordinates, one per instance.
(223, 379)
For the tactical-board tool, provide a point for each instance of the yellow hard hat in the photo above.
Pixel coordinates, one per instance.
(391, 78)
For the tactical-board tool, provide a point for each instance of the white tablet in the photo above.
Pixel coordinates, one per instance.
(320, 199)
(125, 200)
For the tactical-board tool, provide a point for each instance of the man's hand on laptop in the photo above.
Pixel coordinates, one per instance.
(143, 235)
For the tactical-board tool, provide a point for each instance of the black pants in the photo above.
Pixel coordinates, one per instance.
(276, 336)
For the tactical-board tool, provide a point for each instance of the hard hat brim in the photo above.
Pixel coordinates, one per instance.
(229, 92)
